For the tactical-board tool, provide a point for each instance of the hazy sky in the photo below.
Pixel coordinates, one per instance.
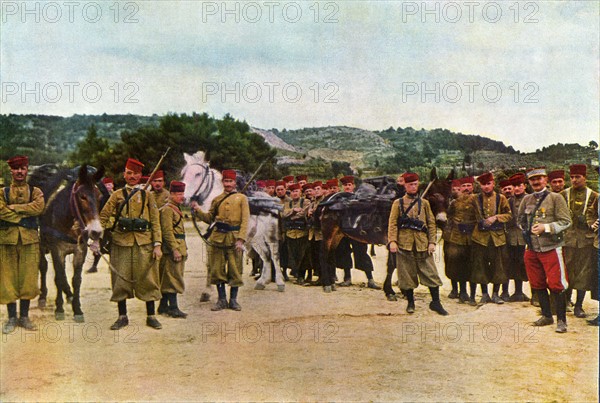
(525, 73)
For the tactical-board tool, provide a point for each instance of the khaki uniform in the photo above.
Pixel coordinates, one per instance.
(457, 238)
(489, 252)
(161, 197)
(315, 236)
(579, 241)
(297, 239)
(283, 252)
(19, 246)
(515, 265)
(173, 238)
(591, 216)
(225, 263)
(131, 251)
(414, 264)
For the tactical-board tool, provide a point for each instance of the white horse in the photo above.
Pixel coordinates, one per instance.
(203, 184)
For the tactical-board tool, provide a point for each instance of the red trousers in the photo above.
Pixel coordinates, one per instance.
(546, 270)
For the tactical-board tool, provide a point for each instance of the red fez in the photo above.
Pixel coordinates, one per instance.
(517, 179)
(347, 179)
(280, 183)
(467, 179)
(332, 182)
(301, 178)
(134, 165)
(176, 187)
(294, 186)
(325, 186)
(410, 177)
(261, 184)
(108, 180)
(307, 186)
(485, 178)
(504, 183)
(228, 174)
(578, 169)
(288, 178)
(455, 183)
(556, 175)
(158, 175)
(318, 184)
(270, 182)
(18, 161)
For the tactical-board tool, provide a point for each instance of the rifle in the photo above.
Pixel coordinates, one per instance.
(254, 175)
(156, 169)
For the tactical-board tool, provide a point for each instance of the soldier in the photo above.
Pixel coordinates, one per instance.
(506, 188)
(362, 261)
(161, 195)
(229, 213)
(296, 232)
(579, 243)
(557, 180)
(109, 184)
(333, 185)
(543, 216)
(389, 292)
(515, 267)
(289, 180)
(281, 193)
(466, 185)
(172, 263)
(136, 245)
(261, 186)
(592, 220)
(488, 249)
(457, 239)
(20, 205)
(412, 237)
(270, 187)
(301, 180)
(315, 235)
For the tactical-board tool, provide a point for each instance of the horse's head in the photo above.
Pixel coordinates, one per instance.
(439, 196)
(202, 184)
(84, 202)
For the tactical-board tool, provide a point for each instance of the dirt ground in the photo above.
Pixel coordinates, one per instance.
(300, 345)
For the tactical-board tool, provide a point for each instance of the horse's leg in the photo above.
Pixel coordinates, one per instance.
(372, 251)
(78, 261)
(387, 284)
(274, 252)
(60, 278)
(206, 294)
(265, 275)
(43, 266)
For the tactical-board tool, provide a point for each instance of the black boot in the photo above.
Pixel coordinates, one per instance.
(544, 300)
(561, 312)
(163, 306)
(578, 309)
(410, 296)
(435, 304)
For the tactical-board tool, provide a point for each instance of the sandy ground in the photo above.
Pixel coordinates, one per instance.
(300, 345)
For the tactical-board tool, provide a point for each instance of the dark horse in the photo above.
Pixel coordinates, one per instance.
(69, 220)
(363, 216)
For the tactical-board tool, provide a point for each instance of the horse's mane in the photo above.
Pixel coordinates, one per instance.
(48, 178)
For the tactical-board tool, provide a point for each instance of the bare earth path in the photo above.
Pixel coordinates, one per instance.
(300, 345)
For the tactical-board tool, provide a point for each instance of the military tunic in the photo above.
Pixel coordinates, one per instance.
(173, 239)
(515, 265)
(457, 238)
(225, 262)
(297, 239)
(131, 251)
(413, 262)
(489, 253)
(283, 250)
(19, 246)
(579, 241)
(161, 197)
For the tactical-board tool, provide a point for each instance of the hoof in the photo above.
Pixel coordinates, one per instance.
(41, 303)
(59, 315)
(79, 318)
(259, 286)
(204, 297)
(281, 288)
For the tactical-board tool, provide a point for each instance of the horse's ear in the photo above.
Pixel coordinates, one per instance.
(83, 174)
(187, 158)
(433, 175)
(451, 175)
(99, 174)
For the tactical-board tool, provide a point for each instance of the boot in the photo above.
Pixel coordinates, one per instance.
(594, 322)
(561, 312)
(152, 322)
(163, 306)
(26, 323)
(9, 326)
(233, 305)
(436, 306)
(544, 301)
(120, 323)
(371, 284)
(219, 305)
(410, 296)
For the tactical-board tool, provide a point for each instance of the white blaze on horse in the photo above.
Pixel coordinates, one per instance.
(203, 184)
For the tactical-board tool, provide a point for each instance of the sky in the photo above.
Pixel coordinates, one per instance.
(522, 72)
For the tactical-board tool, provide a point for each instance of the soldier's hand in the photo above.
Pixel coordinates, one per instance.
(431, 248)
(538, 229)
(595, 226)
(393, 247)
(195, 206)
(239, 245)
(177, 256)
(157, 252)
(490, 220)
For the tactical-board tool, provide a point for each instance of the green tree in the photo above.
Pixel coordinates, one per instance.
(90, 149)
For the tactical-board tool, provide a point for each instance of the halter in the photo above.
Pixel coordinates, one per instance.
(206, 186)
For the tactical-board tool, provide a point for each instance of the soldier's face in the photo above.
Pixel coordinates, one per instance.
(538, 183)
(467, 188)
(109, 186)
(302, 183)
(19, 174)
(400, 180)
(228, 185)
(318, 191)
(177, 197)
(507, 190)
(455, 191)
(280, 191)
(158, 184)
(557, 184)
(271, 190)
(578, 181)
(309, 193)
(335, 189)
(295, 194)
(132, 178)
(487, 187)
(412, 187)
(519, 189)
(349, 187)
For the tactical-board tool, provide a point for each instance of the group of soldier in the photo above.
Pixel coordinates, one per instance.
(547, 237)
